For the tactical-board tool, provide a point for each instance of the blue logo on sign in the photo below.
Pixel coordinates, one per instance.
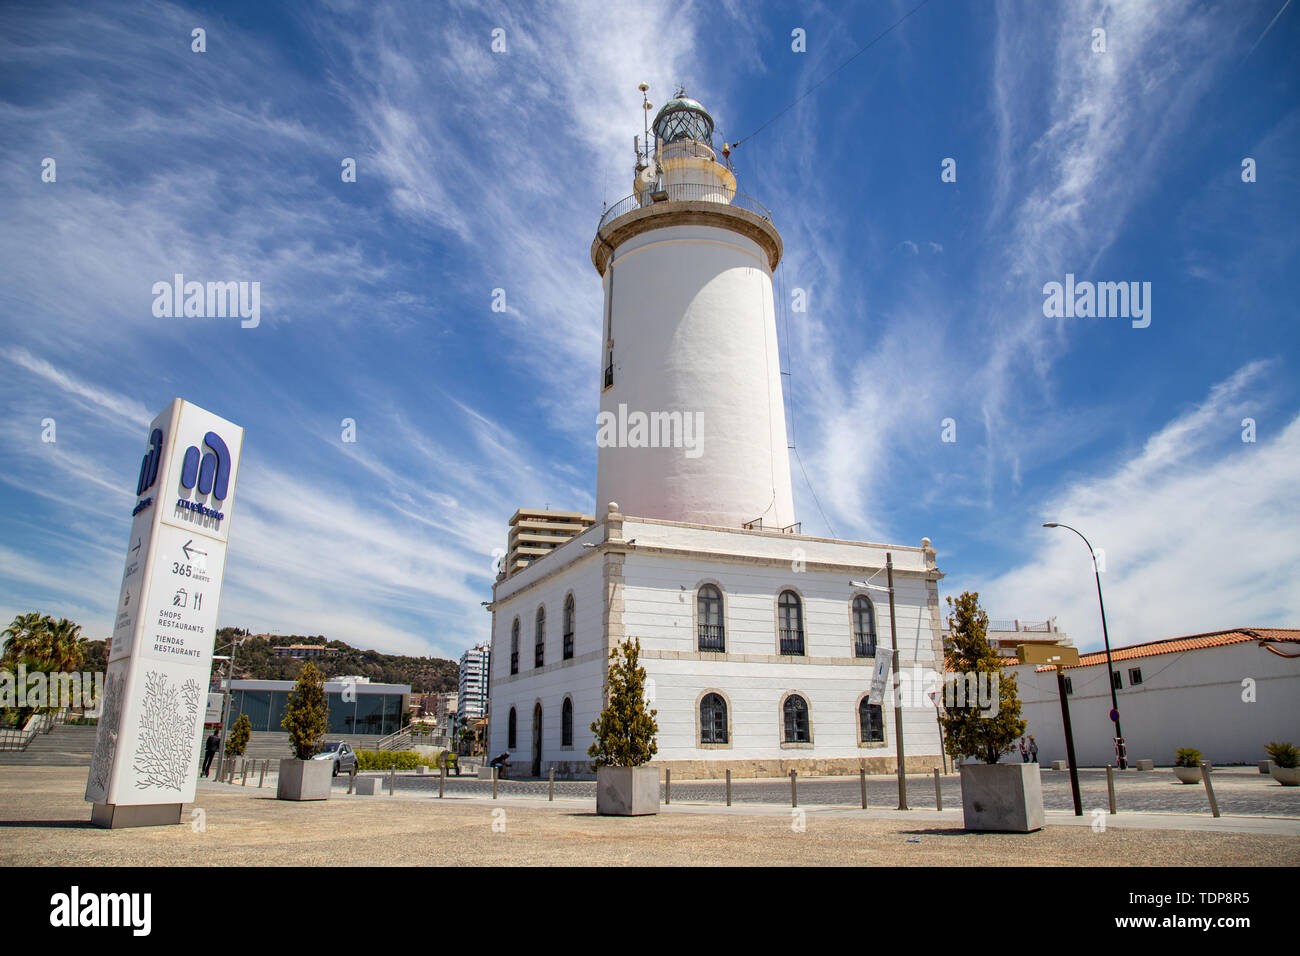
(212, 474)
(149, 465)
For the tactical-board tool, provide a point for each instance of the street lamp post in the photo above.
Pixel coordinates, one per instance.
(225, 706)
(896, 677)
(1120, 751)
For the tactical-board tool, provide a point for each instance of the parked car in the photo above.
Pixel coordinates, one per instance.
(343, 756)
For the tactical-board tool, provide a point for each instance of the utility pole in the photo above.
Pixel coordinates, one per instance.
(897, 681)
(1060, 658)
(225, 706)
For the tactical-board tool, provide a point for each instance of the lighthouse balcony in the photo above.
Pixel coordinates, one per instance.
(685, 192)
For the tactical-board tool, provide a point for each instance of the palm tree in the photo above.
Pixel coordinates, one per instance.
(27, 638)
(67, 648)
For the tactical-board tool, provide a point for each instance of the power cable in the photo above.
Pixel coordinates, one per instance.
(808, 92)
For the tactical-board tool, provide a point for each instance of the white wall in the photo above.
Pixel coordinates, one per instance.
(660, 596)
(582, 677)
(1188, 699)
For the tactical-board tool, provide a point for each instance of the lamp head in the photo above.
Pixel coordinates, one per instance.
(1051, 524)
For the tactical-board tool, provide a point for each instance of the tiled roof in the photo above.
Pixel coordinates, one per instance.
(1192, 642)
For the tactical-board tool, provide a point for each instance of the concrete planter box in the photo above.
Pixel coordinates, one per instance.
(627, 791)
(368, 786)
(1004, 798)
(1286, 776)
(305, 779)
(1146, 765)
(1188, 774)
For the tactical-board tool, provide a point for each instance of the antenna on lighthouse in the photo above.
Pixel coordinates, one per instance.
(647, 106)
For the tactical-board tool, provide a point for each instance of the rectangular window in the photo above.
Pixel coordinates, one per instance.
(1117, 681)
(1134, 676)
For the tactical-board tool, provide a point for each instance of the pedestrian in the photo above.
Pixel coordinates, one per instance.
(1024, 751)
(210, 751)
(1033, 748)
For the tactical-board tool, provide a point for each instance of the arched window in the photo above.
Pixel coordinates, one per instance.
(568, 627)
(713, 719)
(539, 641)
(510, 730)
(709, 607)
(514, 648)
(871, 722)
(796, 721)
(864, 627)
(790, 621)
(566, 723)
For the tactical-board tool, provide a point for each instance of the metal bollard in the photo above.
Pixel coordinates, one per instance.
(1209, 787)
(494, 783)
(442, 779)
(392, 778)
(352, 779)
(728, 787)
(668, 785)
(862, 783)
(794, 788)
(550, 793)
(243, 770)
(1110, 787)
(262, 777)
(938, 793)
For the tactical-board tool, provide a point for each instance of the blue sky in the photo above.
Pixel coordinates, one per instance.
(479, 170)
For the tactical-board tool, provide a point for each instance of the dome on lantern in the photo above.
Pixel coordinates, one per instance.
(683, 118)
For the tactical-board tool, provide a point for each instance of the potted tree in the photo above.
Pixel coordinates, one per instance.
(995, 796)
(238, 739)
(301, 777)
(625, 739)
(1284, 763)
(1187, 764)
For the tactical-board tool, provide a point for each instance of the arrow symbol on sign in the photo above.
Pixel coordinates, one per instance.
(137, 546)
(187, 548)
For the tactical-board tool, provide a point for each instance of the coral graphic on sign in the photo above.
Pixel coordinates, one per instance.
(106, 740)
(168, 724)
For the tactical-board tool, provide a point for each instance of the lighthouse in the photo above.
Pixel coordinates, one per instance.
(692, 418)
(760, 643)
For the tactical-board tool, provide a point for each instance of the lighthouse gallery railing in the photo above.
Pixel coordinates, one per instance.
(683, 192)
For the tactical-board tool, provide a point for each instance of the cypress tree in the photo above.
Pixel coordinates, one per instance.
(625, 732)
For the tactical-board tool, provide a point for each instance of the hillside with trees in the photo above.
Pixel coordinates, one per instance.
(256, 660)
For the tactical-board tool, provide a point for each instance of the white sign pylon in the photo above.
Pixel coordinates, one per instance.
(147, 750)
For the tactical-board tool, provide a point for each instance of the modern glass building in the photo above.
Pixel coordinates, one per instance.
(354, 707)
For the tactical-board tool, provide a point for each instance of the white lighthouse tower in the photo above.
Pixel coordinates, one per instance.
(693, 421)
(760, 643)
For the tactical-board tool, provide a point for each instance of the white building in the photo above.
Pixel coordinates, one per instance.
(1226, 694)
(472, 699)
(759, 651)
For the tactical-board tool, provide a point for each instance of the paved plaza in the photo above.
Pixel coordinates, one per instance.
(45, 821)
